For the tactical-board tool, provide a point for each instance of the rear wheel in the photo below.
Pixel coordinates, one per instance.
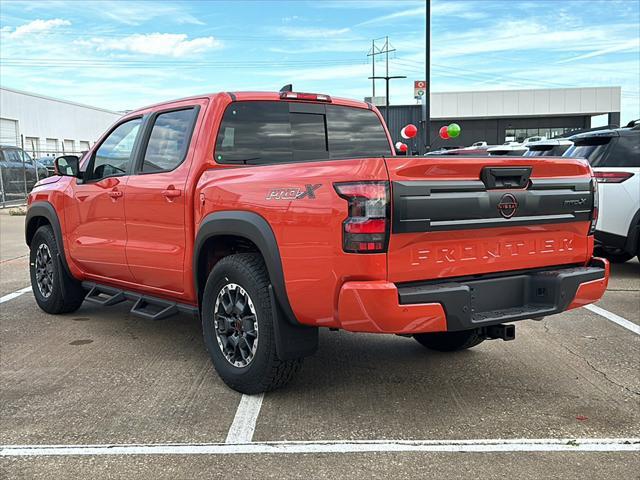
(54, 289)
(238, 326)
(450, 341)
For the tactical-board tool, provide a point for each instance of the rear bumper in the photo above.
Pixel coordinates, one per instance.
(463, 304)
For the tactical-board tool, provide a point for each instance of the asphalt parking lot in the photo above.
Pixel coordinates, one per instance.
(365, 405)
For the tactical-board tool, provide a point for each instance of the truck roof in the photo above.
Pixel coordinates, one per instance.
(252, 96)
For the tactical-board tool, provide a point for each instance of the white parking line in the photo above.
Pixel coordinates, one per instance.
(623, 322)
(244, 423)
(363, 446)
(11, 296)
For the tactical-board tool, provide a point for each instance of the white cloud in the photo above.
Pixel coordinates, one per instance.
(138, 13)
(523, 35)
(412, 12)
(459, 9)
(630, 45)
(163, 44)
(37, 26)
(312, 32)
(317, 74)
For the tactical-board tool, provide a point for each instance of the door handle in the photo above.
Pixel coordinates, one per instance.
(172, 192)
(115, 193)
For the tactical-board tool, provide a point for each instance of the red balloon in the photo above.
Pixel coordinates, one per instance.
(409, 131)
(401, 147)
(444, 133)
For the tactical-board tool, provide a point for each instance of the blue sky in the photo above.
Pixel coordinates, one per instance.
(124, 54)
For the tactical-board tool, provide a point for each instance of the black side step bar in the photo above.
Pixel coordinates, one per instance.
(105, 296)
(145, 306)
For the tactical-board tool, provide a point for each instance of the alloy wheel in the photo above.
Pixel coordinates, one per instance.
(44, 270)
(236, 325)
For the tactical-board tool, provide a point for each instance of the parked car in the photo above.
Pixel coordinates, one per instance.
(270, 215)
(19, 171)
(537, 138)
(548, 148)
(513, 149)
(47, 162)
(614, 156)
(467, 151)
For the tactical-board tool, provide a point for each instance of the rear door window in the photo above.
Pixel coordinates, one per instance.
(169, 140)
(275, 132)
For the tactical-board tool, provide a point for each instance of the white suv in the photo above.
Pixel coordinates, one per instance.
(614, 156)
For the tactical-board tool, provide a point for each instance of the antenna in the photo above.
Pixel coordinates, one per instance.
(287, 88)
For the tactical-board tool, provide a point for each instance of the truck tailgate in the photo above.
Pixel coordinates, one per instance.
(455, 217)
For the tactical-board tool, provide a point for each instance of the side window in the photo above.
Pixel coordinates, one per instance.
(169, 141)
(114, 154)
(625, 152)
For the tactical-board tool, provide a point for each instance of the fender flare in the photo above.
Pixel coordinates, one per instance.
(46, 210)
(255, 228)
(293, 340)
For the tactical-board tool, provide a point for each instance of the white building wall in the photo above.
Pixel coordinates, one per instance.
(47, 118)
(537, 102)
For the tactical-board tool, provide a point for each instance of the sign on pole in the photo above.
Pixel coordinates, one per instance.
(419, 88)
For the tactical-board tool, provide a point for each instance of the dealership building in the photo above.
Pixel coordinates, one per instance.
(48, 126)
(509, 115)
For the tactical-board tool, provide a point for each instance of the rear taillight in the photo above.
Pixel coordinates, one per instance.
(596, 203)
(612, 177)
(366, 228)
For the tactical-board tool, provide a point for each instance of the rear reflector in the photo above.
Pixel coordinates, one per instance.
(596, 206)
(612, 177)
(312, 97)
(366, 228)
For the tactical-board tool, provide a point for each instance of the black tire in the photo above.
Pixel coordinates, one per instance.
(614, 255)
(61, 293)
(450, 341)
(264, 371)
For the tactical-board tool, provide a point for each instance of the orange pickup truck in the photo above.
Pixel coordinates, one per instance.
(270, 215)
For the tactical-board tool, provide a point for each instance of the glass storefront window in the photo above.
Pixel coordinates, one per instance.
(520, 134)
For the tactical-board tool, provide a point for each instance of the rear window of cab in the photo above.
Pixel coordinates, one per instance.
(265, 132)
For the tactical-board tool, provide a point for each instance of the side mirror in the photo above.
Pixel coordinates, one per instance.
(67, 165)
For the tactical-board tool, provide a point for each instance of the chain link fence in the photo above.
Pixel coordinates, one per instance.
(20, 170)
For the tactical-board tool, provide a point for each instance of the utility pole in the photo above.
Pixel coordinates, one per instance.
(386, 49)
(426, 98)
(372, 53)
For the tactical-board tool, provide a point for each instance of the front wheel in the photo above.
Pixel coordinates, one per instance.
(450, 341)
(238, 326)
(54, 289)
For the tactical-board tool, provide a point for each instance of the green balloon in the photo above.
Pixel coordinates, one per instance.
(453, 130)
